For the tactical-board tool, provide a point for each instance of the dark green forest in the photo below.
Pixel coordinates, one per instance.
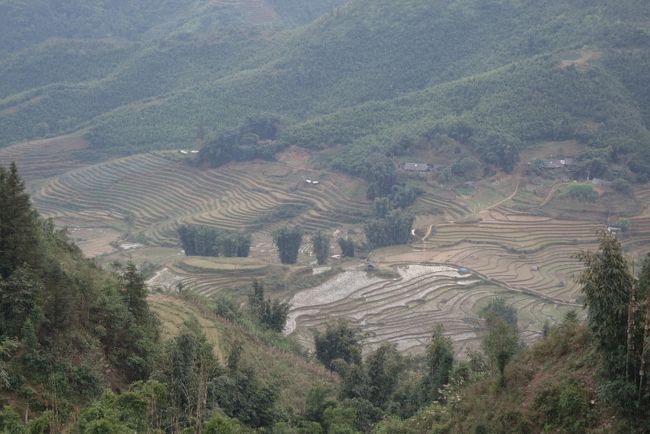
(199, 240)
(495, 75)
(66, 326)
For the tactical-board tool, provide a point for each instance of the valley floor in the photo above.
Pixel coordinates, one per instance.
(508, 236)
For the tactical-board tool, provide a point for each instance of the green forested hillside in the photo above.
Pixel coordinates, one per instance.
(491, 73)
(82, 352)
(491, 111)
(24, 24)
(301, 11)
(67, 328)
(363, 85)
(28, 23)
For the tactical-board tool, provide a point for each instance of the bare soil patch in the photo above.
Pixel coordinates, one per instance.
(581, 59)
(94, 241)
(296, 157)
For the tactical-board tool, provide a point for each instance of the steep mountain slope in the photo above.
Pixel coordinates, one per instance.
(276, 364)
(550, 387)
(68, 329)
(496, 112)
(72, 333)
(301, 11)
(25, 24)
(56, 81)
(518, 71)
(28, 23)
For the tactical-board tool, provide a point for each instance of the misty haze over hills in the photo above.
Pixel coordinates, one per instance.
(324, 216)
(362, 74)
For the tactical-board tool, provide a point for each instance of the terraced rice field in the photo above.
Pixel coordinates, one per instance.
(447, 206)
(637, 241)
(524, 252)
(405, 310)
(232, 276)
(206, 280)
(149, 195)
(41, 159)
(95, 241)
(528, 259)
(643, 194)
(517, 231)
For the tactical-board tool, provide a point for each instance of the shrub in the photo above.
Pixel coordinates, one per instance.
(347, 247)
(581, 192)
(564, 407)
(226, 308)
(622, 186)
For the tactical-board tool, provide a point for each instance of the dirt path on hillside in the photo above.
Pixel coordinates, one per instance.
(424, 238)
(583, 58)
(501, 202)
(551, 193)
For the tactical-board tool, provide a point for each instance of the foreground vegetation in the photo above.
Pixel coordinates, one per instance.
(67, 328)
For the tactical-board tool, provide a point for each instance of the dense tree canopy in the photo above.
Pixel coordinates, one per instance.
(255, 139)
(271, 314)
(198, 240)
(608, 284)
(18, 226)
(339, 341)
(347, 247)
(288, 240)
(619, 319)
(440, 359)
(321, 245)
(394, 228)
(63, 314)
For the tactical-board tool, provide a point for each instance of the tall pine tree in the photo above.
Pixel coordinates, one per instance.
(611, 298)
(321, 244)
(18, 234)
(287, 240)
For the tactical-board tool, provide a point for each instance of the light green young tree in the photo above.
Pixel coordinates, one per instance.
(607, 284)
(500, 343)
(440, 360)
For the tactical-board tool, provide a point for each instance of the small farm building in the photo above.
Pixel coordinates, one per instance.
(416, 167)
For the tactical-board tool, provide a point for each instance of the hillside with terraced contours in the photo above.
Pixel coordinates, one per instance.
(126, 194)
(134, 204)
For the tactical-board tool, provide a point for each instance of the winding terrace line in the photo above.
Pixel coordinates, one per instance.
(497, 282)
